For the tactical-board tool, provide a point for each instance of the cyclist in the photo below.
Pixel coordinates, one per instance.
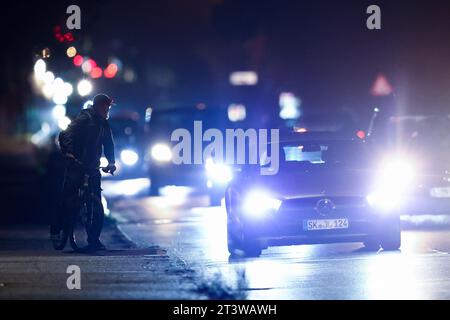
(83, 142)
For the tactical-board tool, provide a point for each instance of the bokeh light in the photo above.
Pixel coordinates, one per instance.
(49, 77)
(63, 123)
(39, 69)
(111, 70)
(84, 87)
(71, 52)
(78, 60)
(59, 112)
(88, 65)
(96, 73)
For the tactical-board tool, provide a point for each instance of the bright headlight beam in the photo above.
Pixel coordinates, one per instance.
(395, 179)
(218, 172)
(258, 203)
(129, 157)
(161, 152)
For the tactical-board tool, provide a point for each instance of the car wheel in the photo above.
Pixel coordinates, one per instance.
(154, 189)
(372, 244)
(243, 248)
(388, 236)
(392, 240)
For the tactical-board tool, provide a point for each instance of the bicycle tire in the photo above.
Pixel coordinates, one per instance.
(79, 231)
(60, 245)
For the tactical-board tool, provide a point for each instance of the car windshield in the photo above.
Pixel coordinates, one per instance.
(320, 154)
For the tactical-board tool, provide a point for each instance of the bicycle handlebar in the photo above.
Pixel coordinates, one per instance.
(80, 164)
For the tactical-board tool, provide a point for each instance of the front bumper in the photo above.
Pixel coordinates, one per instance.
(287, 226)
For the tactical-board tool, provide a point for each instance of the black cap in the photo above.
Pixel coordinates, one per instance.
(102, 99)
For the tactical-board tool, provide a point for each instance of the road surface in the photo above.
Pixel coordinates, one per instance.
(178, 251)
(196, 234)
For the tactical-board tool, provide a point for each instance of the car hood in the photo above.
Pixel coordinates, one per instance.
(291, 185)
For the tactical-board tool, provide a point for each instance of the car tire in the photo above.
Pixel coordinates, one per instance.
(372, 244)
(388, 237)
(243, 248)
(154, 189)
(392, 240)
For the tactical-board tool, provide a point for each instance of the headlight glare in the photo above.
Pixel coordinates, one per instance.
(258, 203)
(161, 152)
(395, 179)
(218, 172)
(129, 157)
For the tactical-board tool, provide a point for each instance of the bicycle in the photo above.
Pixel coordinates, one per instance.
(80, 225)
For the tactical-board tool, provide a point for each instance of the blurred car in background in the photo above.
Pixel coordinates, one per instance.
(128, 136)
(424, 144)
(209, 177)
(327, 189)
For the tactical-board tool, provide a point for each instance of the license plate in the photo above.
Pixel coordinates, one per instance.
(325, 224)
(440, 192)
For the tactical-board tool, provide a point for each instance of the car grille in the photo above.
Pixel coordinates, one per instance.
(311, 202)
(308, 207)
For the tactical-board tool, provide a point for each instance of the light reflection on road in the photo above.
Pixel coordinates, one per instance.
(337, 271)
(393, 276)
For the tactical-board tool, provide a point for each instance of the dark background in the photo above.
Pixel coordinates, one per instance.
(183, 51)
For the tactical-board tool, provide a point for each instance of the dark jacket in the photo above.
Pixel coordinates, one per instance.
(86, 137)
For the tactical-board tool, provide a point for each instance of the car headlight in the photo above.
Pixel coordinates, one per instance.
(161, 152)
(218, 172)
(129, 157)
(395, 180)
(259, 203)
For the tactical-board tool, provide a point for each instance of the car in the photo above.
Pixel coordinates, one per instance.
(328, 189)
(423, 141)
(128, 139)
(206, 177)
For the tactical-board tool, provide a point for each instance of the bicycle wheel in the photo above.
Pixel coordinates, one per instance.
(80, 228)
(59, 241)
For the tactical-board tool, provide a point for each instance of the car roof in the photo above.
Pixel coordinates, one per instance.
(315, 136)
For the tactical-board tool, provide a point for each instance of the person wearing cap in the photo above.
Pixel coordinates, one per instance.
(83, 142)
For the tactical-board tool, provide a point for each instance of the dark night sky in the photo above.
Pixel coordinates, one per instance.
(184, 50)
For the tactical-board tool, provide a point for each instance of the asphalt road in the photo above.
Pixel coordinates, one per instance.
(178, 251)
(196, 234)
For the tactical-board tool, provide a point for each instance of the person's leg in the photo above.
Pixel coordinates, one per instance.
(98, 212)
(57, 198)
(70, 205)
(67, 211)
